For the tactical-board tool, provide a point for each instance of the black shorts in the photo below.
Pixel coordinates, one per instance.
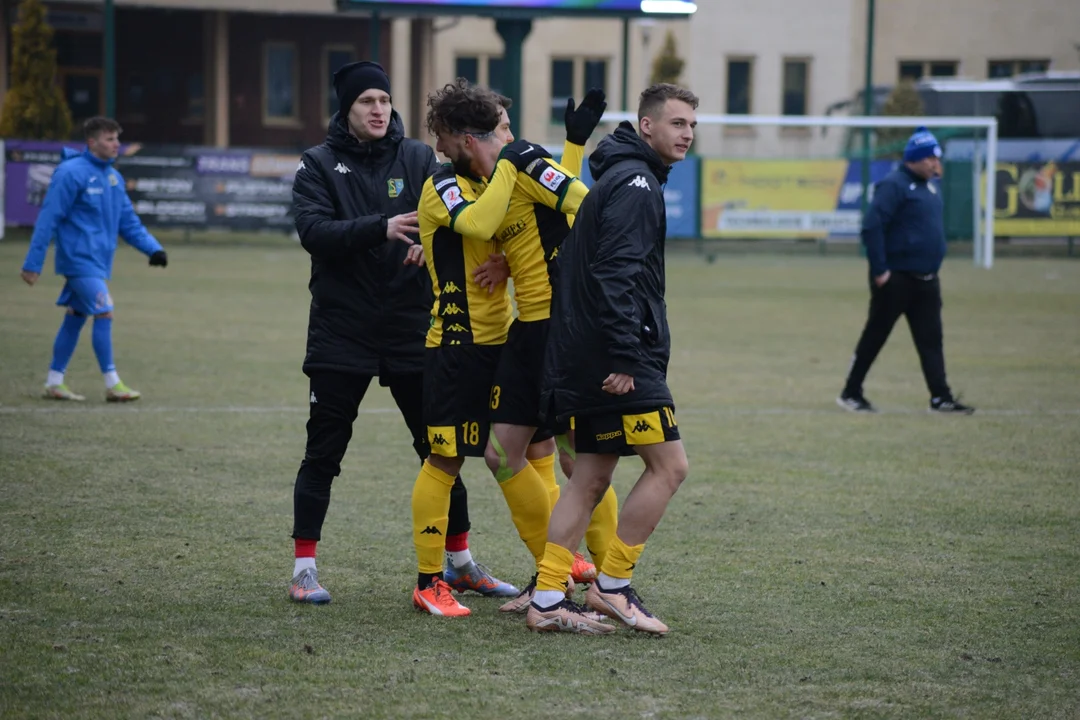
(515, 393)
(457, 397)
(623, 434)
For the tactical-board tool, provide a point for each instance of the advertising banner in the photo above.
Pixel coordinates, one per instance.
(170, 186)
(1036, 199)
(774, 199)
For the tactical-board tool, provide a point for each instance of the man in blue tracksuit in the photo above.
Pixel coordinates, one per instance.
(85, 208)
(904, 235)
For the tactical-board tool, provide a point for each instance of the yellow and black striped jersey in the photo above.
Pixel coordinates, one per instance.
(458, 217)
(545, 198)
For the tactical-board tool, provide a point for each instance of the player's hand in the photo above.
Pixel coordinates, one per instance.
(618, 384)
(581, 122)
(415, 255)
(492, 273)
(400, 227)
(882, 278)
(159, 259)
(522, 152)
(29, 277)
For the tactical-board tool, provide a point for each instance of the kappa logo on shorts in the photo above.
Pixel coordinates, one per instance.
(456, 327)
(641, 426)
(438, 439)
(452, 309)
(609, 436)
(451, 287)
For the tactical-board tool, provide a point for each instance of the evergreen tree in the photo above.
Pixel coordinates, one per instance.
(35, 107)
(904, 101)
(667, 66)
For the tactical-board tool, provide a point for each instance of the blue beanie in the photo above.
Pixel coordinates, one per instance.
(921, 145)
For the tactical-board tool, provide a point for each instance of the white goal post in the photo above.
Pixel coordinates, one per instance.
(984, 240)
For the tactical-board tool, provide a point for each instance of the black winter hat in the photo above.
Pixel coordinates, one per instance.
(354, 79)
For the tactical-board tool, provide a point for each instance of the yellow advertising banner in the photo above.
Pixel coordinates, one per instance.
(1037, 199)
(774, 199)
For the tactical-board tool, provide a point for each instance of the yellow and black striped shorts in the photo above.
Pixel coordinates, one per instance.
(623, 434)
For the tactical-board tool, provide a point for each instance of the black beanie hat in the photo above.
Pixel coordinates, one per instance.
(354, 79)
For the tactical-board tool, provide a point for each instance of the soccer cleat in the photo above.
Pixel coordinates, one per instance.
(61, 392)
(520, 604)
(121, 393)
(950, 406)
(568, 617)
(855, 403)
(438, 599)
(624, 605)
(305, 588)
(582, 571)
(476, 577)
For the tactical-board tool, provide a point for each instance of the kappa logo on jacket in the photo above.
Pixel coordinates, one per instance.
(342, 169)
(639, 182)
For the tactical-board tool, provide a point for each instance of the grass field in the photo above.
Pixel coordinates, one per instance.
(815, 564)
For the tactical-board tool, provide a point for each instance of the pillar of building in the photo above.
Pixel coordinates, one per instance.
(219, 88)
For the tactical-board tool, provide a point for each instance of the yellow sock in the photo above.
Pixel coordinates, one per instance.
(621, 558)
(430, 511)
(546, 467)
(602, 526)
(530, 510)
(554, 568)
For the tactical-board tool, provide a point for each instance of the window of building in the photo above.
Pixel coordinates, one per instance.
(486, 70)
(335, 57)
(196, 95)
(562, 87)
(573, 77)
(1008, 68)
(281, 86)
(495, 79)
(468, 68)
(916, 69)
(796, 87)
(739, 77)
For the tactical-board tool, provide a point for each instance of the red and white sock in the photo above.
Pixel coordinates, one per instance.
(457, 550)
(305, 555)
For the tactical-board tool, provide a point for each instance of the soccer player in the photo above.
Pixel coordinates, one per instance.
(355, 199)
(85, 208)
(607, 359)
(458, 216)
(544, 199)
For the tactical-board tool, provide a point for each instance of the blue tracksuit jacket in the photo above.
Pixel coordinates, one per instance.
(85, 208)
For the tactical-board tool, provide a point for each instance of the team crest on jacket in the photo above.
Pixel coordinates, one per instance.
(394, 187)
(112, 179)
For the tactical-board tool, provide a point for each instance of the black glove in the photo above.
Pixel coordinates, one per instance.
(523, 152)
(159, 258)
(580, 123)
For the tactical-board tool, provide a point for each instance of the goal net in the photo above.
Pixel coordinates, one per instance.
(756, 177)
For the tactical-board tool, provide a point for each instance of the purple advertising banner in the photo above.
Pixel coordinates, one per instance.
(29, 167)
(169, 186)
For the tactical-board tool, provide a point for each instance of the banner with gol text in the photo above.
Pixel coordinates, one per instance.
(1037, 199)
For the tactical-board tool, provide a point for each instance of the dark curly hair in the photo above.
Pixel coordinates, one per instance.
(463, 107)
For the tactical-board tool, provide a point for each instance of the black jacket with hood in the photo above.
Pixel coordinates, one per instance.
(369, 312)
(608, 312)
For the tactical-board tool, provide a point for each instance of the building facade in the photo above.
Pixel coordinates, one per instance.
(257, 72)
